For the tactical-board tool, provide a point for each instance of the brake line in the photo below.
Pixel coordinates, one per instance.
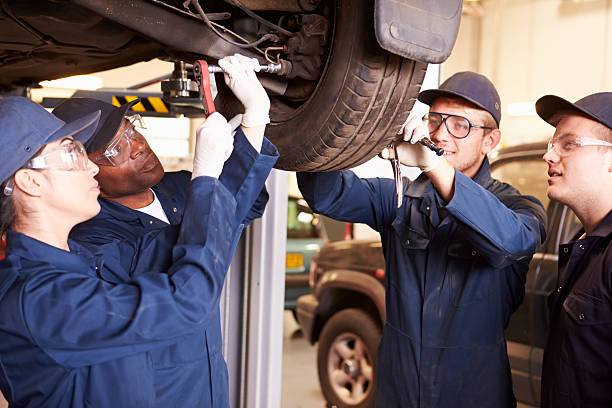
(262, 20)
(265, 37)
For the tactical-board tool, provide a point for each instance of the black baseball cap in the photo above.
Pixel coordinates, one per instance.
(110, 118)
(597, 106)
(470, 86)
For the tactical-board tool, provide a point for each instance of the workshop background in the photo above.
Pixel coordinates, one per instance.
(528, 48)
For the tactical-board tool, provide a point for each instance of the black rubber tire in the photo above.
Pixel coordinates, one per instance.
(363, 97)
(347, 323)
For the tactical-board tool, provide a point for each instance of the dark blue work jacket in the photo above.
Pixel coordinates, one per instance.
(71, 338)
(455, 273)
(577, 370)
(244, 175)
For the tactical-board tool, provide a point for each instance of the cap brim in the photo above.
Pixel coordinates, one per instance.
(109, 127)
(428, 96)
(81, 128)
(549, 105)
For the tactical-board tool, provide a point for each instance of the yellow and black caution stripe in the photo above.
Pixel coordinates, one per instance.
(146, 104)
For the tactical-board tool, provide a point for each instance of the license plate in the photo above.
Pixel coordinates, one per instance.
(294, 261)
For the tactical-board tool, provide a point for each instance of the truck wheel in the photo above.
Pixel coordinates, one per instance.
(358, 104)
(346, 359)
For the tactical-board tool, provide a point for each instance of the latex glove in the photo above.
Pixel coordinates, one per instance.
(414, 154)
(214, 145)
(240, 77)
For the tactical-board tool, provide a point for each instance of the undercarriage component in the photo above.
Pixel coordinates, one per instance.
(305, 48)
(192, 37)
(179, 85)
(296, 6)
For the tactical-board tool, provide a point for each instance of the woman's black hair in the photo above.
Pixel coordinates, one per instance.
(8, 209)
(8, 212)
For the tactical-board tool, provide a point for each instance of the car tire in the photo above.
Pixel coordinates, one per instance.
(346, 359)
(358, 106)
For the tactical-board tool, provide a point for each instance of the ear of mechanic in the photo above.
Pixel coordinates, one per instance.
(190, 360)
(577, 365)
(456, 252)
(71, 338)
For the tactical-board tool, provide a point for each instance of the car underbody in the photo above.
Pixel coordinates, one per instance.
(339, 100)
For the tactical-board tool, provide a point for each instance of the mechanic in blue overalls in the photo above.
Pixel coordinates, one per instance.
(134, 201)
(71, 337)
(577, 365)
(135, 193)
(456, 252)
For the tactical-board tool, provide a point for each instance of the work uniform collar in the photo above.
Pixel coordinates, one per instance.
(604, 228)
(126, 214)
(118, 211)
(23, 246)
(423, 185)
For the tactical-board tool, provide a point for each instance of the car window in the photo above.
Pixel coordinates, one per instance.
(528, 175)
(301, 222)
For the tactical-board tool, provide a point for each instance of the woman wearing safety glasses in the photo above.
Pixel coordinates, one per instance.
(72, 334)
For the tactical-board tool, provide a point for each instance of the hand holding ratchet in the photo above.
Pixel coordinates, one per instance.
(239, 72)
(412, 152)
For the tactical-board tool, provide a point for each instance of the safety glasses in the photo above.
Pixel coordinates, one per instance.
(565, 144)
(119, 149)
(66, 157)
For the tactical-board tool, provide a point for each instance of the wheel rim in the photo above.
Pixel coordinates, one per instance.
(349, 368)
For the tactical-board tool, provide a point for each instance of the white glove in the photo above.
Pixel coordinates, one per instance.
(240, 77)
(214, 145)
(414, 154)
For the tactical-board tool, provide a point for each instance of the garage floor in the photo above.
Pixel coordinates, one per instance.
(300, 381)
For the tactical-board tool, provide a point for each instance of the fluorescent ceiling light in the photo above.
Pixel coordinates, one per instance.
(521, 109)
(87, 82)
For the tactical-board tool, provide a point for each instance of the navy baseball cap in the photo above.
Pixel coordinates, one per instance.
(470, 86)
(27, 126)
(110, 118)
(597, 106)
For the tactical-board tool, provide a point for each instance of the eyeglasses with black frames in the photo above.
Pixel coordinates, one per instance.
(457, 126)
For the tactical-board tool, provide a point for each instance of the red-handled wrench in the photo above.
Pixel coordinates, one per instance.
(202, 77)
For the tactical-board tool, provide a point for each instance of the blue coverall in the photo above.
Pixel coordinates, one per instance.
(73, 339)
(244, 176)
(179, 372)
(455, 273)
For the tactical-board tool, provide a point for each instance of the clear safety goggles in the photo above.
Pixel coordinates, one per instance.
(119, 149)
(566, 144)
(66, 157)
